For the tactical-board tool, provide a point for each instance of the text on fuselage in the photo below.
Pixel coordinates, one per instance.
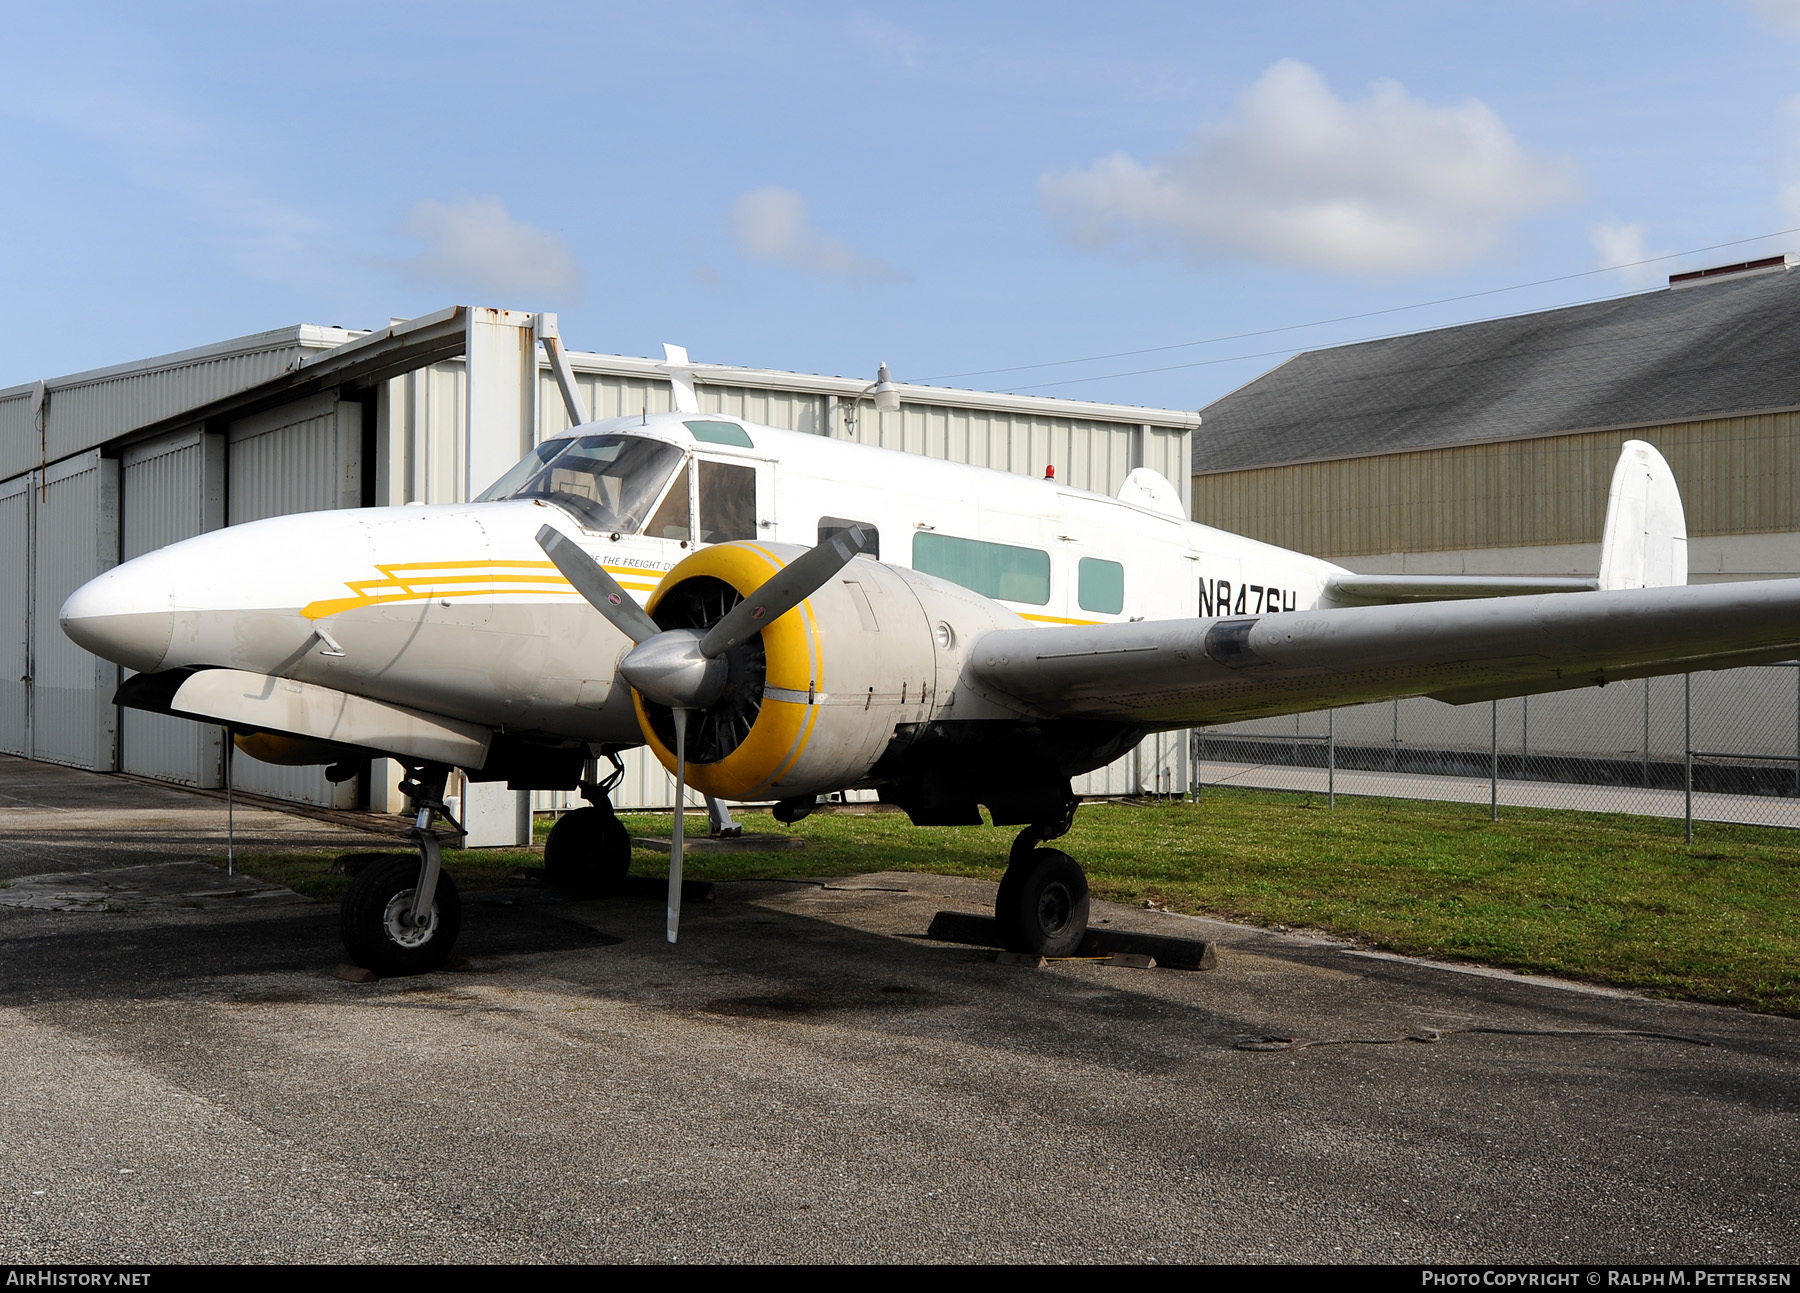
(1252, 599)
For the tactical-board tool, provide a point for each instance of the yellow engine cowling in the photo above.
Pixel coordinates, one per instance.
(877, 647)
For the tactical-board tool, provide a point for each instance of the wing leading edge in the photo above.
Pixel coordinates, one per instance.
(1177, 673)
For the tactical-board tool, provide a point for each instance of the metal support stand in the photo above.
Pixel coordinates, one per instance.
(1331, 758)
(1687, 723)
(1494, 761)
(722, 822)
(230, 810)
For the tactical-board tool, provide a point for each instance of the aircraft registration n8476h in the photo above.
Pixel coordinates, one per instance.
(779, 616)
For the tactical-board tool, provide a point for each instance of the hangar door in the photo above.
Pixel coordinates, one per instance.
(171, 488)
(16, 498)
(302, 457)
(75, 536)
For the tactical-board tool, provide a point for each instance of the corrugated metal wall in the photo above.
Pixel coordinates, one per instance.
(305, 457)
(419, 426)
(1737, 476)
(1095, 456)
(17, 498)
(75, 537)
(171, 488)
(20, 447)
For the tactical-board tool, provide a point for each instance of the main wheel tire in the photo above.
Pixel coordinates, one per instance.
(587, 851)
(1043, 904)
(376, 912)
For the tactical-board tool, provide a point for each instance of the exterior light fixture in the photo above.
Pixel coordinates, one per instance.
(887, 397)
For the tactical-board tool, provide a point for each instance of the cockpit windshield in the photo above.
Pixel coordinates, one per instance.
(609, 481)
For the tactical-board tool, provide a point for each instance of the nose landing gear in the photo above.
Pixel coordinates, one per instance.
(1042, 906)
(399, 917)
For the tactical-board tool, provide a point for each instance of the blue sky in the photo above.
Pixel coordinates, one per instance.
(950, 188)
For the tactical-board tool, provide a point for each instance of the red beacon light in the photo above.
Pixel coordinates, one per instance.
(1050, 472)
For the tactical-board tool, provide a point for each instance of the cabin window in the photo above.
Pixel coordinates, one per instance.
(727, 501)
(608, 481)
(1100, 586)
(997, 570)
(830, 525)
(720, 433)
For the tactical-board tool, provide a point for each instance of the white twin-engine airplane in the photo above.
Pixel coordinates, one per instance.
(779, 616)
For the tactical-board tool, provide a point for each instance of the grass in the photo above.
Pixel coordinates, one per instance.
(1600, 897)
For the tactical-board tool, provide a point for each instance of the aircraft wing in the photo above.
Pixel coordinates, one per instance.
(1178, 673)
(1370, 590)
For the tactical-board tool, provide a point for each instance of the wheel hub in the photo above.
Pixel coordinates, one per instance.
(1055, 905)
(397, 921)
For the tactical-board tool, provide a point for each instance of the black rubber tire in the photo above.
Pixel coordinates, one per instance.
(587, 851)
(371, 938)
(1043, 904)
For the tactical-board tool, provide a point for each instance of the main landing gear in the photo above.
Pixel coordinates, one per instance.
(589, 850)
(402, 917)
(1043, 902)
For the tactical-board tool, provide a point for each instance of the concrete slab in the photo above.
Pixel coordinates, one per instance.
(807, 1077)
(62, 819)
(191, 885)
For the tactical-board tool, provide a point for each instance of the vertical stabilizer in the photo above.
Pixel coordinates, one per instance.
(681, 379)
(1645, 541)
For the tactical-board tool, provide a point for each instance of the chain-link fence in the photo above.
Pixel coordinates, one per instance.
(1721, 746)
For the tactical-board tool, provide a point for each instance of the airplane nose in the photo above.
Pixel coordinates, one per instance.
(126, 615)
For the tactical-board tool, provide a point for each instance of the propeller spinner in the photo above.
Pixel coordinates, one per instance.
(684, 668)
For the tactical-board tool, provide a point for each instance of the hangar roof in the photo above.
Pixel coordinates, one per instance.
(1716, 348)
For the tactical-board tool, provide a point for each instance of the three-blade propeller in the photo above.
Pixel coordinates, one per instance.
(684, 668)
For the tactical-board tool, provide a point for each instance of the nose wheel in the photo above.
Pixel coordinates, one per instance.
(1042, 906)
(402, 917)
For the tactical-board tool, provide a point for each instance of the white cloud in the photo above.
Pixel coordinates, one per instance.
(771, 224)
(476, 242)
(1618, 245)
(1782, 15)
(1387, 185)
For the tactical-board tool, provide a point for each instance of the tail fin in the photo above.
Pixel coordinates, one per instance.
(1645, 541)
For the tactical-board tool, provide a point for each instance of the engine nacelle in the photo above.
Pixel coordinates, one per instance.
(815, 699)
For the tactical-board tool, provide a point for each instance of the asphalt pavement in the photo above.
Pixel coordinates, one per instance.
(806, 1077)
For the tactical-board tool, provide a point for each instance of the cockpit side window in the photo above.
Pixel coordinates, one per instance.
(608, 481)
(671, 519)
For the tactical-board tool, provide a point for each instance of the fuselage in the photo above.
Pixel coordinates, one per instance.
(454, 609)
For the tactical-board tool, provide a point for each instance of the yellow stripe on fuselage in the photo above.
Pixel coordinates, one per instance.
(419, 581)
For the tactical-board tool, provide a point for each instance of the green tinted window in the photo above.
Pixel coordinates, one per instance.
(720, 433)
(1100, 586)
(996, 570)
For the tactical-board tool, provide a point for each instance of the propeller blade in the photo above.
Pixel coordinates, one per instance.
(600, 589)
(790, 586)
(676, 843)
